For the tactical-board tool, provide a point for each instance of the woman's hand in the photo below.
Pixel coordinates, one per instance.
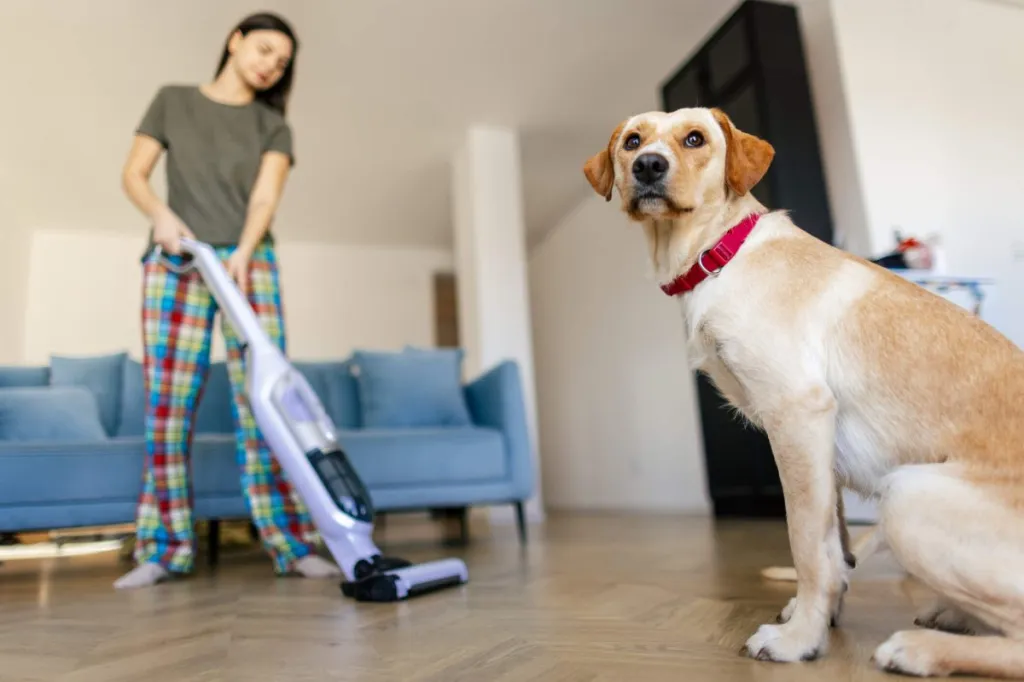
(238, 267)
(168, 229)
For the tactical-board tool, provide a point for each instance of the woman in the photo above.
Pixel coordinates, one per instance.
(229, 151)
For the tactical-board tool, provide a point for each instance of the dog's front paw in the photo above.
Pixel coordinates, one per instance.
(787, 643)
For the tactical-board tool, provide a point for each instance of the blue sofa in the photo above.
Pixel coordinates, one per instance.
(72, 447)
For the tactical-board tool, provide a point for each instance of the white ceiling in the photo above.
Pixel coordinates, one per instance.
(385, 89)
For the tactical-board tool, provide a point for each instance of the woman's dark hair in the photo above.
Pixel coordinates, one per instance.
(276, 97)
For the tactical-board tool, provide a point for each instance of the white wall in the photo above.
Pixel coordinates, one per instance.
(842, 180)
(936, 129)
(617, 404)
(13, 283)
(935, 121)
(84, 296)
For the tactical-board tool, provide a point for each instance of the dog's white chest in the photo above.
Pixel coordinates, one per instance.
(701, 350)
(860, 459)
(703, 356)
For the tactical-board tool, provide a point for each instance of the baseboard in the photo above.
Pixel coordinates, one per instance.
(506, 514)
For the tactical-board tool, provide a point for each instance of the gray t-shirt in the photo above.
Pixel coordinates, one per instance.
(214, 152)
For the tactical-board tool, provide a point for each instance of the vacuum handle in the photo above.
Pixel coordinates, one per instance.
(229, 297)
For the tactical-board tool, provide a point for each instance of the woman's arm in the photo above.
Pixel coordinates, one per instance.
(142, 158)
(265, 198)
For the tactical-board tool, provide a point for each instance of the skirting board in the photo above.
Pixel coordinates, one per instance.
(506, 514)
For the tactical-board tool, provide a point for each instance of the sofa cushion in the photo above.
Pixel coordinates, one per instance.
(15, 375)
(133, 400)
(215, 413)
(418, 457)
(336, 387)
(101, 374)
(215, 464)
(410, 389)
(50, 413)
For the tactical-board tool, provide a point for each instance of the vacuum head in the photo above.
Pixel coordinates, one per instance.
(392, 579)
(304, 441)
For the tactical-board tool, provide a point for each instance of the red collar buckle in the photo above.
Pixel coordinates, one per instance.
(711, 261)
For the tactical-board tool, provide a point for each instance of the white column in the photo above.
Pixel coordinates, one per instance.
(491, 267)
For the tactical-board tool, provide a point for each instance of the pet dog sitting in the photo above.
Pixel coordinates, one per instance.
(858, 377)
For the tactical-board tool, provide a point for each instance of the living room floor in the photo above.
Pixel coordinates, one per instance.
(596, 597)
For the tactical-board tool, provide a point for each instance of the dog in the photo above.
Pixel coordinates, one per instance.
(858, 377)
(853, 553)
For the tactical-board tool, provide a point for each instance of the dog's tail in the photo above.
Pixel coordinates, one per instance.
(867, 544)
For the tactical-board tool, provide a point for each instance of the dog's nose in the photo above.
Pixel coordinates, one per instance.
(648, 168)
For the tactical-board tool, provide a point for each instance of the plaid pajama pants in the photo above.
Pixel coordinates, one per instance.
(177, 317)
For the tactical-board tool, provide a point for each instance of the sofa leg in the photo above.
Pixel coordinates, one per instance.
(464, 526)
(460, 514)
(521, 522)
(213, 541)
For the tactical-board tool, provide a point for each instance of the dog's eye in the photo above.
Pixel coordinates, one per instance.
(632, 142)
(694, 139)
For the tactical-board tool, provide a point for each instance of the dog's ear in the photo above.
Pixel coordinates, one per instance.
(747, 157)
(600, 168)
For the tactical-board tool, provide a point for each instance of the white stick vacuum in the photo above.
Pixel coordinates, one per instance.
(303, 439)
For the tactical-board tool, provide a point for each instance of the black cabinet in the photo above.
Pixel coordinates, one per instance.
(752, 67)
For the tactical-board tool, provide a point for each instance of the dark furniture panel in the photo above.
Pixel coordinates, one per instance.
(752, 67)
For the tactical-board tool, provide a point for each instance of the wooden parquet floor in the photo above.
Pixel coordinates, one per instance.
(591, 599)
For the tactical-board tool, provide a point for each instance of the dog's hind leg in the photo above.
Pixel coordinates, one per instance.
(963, 537)
(930, 653)
(943, 615)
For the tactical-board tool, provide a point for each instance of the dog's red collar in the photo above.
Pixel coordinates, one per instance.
(711, 261)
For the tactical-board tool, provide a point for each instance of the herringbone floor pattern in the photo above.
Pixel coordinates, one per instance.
(592, 599)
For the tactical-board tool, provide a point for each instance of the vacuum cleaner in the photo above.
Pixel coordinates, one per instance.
(304, 440)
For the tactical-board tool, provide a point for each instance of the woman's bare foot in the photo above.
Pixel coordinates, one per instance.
(142, 575)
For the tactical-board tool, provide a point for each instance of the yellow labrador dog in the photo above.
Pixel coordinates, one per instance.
(858, 377)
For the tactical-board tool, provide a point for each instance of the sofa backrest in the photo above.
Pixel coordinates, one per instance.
(337, 389)
(117, 383)
(411, 387)
(332, 382)
(214, 414)
(15, 376)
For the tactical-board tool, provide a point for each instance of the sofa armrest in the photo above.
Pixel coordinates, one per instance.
(495, 401)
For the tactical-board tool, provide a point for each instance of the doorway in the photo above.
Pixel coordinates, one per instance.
(446, 310)
(455, 520)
